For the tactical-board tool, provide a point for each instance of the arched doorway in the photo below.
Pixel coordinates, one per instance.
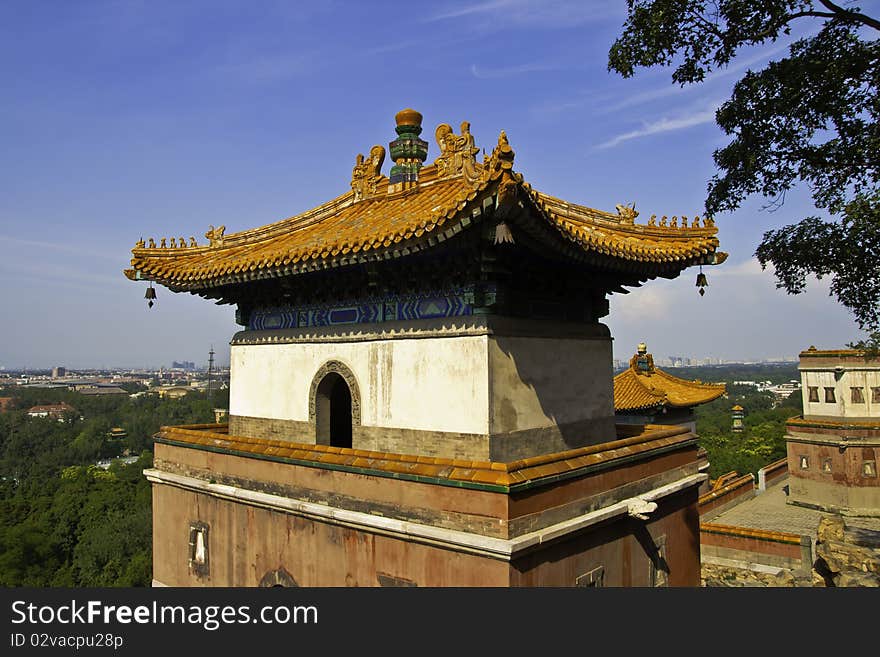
(333, 419)
(334, 405)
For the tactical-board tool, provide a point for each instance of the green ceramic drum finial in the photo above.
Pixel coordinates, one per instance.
(408, 151)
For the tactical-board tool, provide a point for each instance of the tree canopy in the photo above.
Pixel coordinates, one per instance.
(809, 118)
(70, 515)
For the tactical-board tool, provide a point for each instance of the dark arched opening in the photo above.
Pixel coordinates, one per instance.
(278, 577)
(333, 419)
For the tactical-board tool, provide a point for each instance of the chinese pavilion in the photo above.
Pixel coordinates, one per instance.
(645, 394)
(421, 391)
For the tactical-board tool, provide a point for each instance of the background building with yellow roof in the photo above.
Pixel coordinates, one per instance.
(645, 394)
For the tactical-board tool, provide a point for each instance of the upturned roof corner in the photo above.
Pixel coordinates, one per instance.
(417, 206)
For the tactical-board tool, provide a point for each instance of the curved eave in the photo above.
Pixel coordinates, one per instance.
(635, 392)
(306, 242)
(272, 256)
(613, 244)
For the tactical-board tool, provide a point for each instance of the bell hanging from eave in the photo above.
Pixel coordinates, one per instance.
(701, 281)
(150, 294)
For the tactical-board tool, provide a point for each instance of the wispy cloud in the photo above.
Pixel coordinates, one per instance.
(662, 125)
(60, 274)
(54, 246)
(645, 96)
(672, 89)
(746, 268)
(534, 13)
(468, 10)
(510, 71)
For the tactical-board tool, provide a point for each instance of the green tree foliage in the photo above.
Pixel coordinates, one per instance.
(64, 521)
(762, 440)
(811, 117)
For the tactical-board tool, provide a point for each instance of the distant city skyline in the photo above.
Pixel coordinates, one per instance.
(161, 123)
(672, 360)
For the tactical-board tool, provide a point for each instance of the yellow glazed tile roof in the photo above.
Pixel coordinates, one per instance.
(636, 389)
(388, 221)
(646, 438)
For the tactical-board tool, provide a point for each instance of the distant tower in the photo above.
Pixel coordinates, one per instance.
(210, 369)
(737, 414)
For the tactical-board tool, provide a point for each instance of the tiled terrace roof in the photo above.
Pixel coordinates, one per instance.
(456, 472)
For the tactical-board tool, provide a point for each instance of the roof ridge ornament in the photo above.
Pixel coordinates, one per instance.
(642, 362)
(499, 160)
(215, 235)
(408, 151)
(366, 173)
(458, 154)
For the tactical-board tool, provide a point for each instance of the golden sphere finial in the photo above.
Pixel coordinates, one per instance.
(408, 116)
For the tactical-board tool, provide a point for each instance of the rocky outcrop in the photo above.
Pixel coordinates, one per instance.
(846, 557)
(713, 575)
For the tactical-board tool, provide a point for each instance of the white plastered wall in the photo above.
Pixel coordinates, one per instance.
(543, 382)
(863, 378)
(436, 384)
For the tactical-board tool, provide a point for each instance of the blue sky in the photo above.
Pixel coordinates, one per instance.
(122, 118)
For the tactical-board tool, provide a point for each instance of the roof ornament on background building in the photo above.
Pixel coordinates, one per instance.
(215, 235)
(642, 361)
(643, 386)
(366, 173)
(457, 152)
(408, 151)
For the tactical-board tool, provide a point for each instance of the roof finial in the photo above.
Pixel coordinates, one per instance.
(408, 151)
(642, 362)
(457, 152)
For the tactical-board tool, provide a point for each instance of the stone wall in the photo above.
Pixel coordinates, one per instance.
(846, 557)
(713, 575)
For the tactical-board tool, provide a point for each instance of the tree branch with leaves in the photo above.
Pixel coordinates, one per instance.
(809, 118)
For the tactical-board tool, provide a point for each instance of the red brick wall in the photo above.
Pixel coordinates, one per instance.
(754, 541)
(735, 490)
